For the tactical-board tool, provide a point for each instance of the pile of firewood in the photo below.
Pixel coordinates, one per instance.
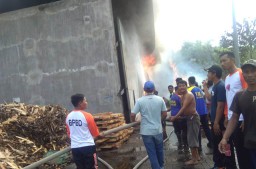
(109, 120)
(28, 132)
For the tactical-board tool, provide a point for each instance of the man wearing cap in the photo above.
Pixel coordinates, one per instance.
(218, 101)
(234, 82)
(244, 103)
(152, 109)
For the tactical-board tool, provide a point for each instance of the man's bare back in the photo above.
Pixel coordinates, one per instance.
(190, 106)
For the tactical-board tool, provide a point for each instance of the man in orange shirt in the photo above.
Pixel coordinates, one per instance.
(82, 131)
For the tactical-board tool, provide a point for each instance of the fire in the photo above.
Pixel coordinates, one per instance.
(174, 69)
(149, 60)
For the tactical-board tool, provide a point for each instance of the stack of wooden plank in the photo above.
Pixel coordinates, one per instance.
(109, 120)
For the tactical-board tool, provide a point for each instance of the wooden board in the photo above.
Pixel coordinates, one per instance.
(120, 133)
(108, 116)
(114, 145)
(109, 122)
(111, 126)
(100, 141)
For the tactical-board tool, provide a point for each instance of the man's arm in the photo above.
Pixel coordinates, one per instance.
(226, 115)
(230, 129)
(206, 91)
(132, 116)
(244, 86)
(221, 100)
(135, 110)
(164, 115)
(231, 126)
(219, 114)
(92, 126)
(167, 104)
(68, 130)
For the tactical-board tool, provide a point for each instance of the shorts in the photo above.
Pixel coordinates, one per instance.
(85, 157)
(193, 126)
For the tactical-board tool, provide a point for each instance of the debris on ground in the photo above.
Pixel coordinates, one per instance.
(29, 132)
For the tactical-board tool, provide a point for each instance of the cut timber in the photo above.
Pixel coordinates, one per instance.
(107, 116)
(114, 145)
(109, 120)
(117, 115)
(100, 141)
(99, 118)
(120, 133)
(111, 126)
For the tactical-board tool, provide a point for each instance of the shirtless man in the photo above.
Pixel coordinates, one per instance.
(188, 110)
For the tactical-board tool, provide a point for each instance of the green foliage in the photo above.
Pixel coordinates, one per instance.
(205, 55)
(199, 53)
(246, 39)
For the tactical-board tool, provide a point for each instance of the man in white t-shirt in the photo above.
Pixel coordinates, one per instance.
(234, 82)
(82, 130)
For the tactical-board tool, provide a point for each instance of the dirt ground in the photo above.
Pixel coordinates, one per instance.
(133, 151)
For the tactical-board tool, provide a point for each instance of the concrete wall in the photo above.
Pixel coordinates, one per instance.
(49, 52)
(136, 23)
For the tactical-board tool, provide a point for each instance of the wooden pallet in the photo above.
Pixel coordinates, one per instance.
(111, 126)
(108, 116)
(111, 146)
(109, 122)
(130, 130)
(117, 134)
(114, 145)
(100, 141)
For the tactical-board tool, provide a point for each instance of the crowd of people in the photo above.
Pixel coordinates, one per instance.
(229, 105)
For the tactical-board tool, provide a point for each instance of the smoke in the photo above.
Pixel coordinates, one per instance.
(171, 66)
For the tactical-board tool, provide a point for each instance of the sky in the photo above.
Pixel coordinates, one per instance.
(204, 20)
(177, 21)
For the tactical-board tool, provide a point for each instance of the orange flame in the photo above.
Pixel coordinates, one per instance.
(174, 69)
(149, 60)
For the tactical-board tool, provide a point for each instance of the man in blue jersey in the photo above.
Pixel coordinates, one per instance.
(201, 110)
(180, 126)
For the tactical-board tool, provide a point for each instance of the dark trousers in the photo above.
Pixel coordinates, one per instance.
(85, 157)
(204, 123)
(180, 129)
(243, 154)
(253, 157)
(220, 159)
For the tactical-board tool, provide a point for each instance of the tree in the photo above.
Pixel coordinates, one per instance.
(246, 39)
(200, 53)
